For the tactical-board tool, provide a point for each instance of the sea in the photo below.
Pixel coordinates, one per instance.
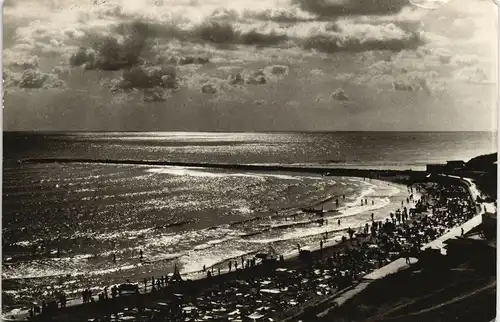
(62, 223)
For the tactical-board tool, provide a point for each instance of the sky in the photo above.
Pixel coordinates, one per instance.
(250, 65)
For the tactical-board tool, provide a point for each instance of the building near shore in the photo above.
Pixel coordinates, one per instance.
(435, 168)
(449, 166)
(455, 165)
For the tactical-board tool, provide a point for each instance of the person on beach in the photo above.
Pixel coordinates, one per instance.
(58, 252)
(373, 202)
(350, 231)
(230, 265)
(141, 255)
(298, 247)
(338, 222)
(407, 256)
(462, 231)
(321, 245)
(372, 216)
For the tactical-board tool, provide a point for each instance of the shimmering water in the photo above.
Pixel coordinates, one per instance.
(186, 216)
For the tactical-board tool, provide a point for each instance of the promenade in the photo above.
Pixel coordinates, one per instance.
(401, 263)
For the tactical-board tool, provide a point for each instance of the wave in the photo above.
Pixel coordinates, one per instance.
(44, 269)
(198, 172)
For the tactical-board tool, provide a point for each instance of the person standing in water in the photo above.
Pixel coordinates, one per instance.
(141, 254)
(114, 258)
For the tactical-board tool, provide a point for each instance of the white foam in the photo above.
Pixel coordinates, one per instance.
(193, 262)
(244, 210)
(198, 172)
(211, 243)
(31, 271)
(123, 234)
(349, 210)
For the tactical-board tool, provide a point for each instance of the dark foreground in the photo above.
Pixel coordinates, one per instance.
(446, 290)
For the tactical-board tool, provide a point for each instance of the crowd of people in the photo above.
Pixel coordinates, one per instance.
(285, 287)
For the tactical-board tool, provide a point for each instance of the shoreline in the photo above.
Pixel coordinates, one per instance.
(291, 258)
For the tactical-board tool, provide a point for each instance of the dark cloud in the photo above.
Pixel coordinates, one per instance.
(32, 79)
(281, 16)
(415, 85)
(256, 80)
(277, 70)
(147, 77)
(133, 43)
(339, 95)
(236, 79)
(335, 8)
(255, 38)
(333, 44)
(187, 60)
(216, 32)
(208, 89)
(115, 53)
(156, 94)
(403, 86)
